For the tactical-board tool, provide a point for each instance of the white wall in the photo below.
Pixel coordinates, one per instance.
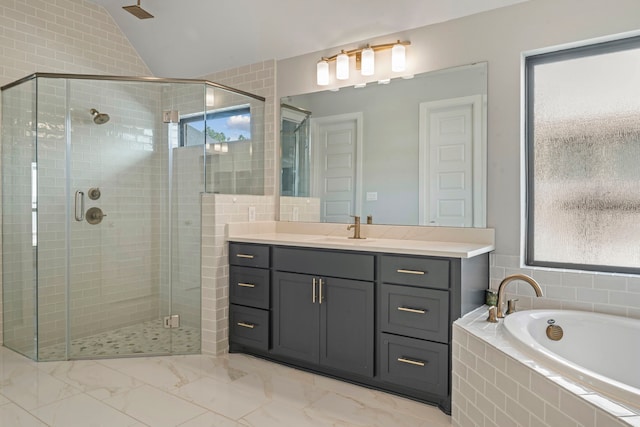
(500, 37)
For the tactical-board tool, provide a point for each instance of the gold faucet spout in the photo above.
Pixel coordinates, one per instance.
(356, 228)
(503, 285)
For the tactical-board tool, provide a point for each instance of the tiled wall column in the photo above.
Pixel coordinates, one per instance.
(218, 210)
(221, 209)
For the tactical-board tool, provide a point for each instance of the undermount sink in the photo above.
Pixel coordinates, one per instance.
(345, 240)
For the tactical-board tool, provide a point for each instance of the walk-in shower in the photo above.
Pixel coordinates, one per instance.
(101, 225)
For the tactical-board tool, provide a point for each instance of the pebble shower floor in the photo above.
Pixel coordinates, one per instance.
(144, 338)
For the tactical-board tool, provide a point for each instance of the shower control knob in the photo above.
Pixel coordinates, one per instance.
(94, 193)
(94, 215)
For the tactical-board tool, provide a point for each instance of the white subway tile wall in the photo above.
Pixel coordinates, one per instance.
(305, 209)
(218, 210)
(609, 293)
(221, 209)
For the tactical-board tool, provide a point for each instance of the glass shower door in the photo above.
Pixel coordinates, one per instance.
(118, 220)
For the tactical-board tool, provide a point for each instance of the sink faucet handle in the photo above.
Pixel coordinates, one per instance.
(493, 311)
(511, 306)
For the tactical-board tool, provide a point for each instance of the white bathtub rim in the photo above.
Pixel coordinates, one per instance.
(623, 393)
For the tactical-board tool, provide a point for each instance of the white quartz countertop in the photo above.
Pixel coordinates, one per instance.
(373, 244)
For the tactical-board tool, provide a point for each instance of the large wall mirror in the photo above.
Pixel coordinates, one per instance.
(410, 151)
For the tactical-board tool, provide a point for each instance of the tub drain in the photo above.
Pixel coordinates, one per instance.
(554, 332)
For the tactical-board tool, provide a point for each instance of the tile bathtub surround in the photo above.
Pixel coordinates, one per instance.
(495, 384)
(617, 294)
(193, 391)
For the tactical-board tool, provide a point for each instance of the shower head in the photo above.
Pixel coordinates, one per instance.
(99, 118)
(137, 11)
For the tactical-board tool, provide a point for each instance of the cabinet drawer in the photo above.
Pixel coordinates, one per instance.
(408, 362)
(249, 326)
(249, 286)
(248, 255)
(332, 263)
(415, 271)
(415, 312)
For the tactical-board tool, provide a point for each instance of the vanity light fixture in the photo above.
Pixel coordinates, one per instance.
(365, 61)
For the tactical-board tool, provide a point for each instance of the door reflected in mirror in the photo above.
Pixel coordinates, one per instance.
(411, 151)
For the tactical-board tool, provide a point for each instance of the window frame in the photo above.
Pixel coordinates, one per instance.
(210, 115)
(530, 62)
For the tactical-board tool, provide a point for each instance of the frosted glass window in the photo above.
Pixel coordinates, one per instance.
(583, 156)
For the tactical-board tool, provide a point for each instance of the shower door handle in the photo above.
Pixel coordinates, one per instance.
(79, 213)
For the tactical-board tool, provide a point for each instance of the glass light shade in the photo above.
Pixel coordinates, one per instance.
(367, 62)
(342, 66)
(398, 58)
(322, 73)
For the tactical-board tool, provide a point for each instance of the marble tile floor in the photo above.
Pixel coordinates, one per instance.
(192, 391)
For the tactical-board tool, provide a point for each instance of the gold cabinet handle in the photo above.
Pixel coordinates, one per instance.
(321, 282)
(244, 256)
(419, 273)
(313, 290)
(411, 362)
(412, 310)
(246, 285)
(246, 325)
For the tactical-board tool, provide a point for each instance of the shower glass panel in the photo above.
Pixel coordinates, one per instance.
(101, 213)
(18, 213)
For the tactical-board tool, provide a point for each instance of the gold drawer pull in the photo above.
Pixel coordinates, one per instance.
(244, 256)
(411, 362)
(246, 325)
(412, 310)
(247, 285)
(419, 273)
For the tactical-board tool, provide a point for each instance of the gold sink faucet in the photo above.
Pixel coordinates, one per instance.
(503, 285)
(356, 228)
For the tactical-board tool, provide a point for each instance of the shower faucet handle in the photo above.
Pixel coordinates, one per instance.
(94, 215)
(94, 193)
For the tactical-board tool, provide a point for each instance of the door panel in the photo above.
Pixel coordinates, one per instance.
(114, 282)
(347, 326)
(449, 129)
(336, 139)
(295, 317)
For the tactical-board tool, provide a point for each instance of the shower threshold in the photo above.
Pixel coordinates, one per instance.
(147, 338)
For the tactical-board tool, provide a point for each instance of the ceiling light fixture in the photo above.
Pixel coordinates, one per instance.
(137, 11)
(365, 61)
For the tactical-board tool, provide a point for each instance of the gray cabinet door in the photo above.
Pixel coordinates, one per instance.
(296, 318)
(347, 325)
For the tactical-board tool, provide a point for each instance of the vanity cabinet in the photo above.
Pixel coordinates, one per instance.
(319, 317)
(414, 323)
(249, 295)
(378, 319)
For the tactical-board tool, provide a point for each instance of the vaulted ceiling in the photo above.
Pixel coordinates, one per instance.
(192, 38)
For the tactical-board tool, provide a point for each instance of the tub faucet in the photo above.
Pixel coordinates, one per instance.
(503, 285)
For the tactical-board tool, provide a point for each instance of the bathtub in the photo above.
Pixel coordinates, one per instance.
(599, 350)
